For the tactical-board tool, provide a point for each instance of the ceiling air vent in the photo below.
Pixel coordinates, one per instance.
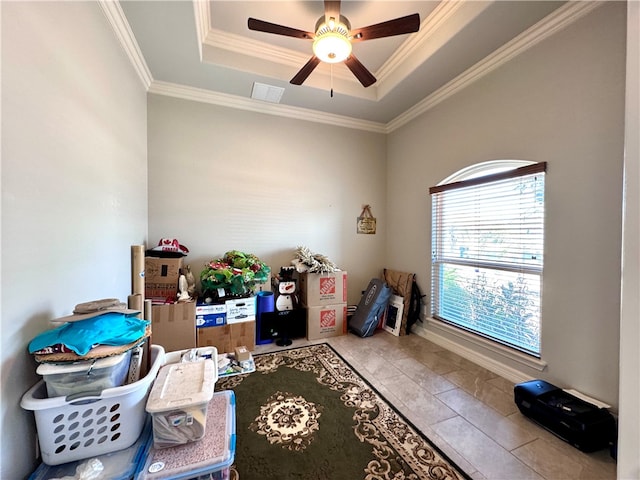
(266, 93)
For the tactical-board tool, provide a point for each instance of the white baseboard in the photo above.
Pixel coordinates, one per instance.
(499, 368)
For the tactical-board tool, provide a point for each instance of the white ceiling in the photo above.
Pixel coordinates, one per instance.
(204, 50)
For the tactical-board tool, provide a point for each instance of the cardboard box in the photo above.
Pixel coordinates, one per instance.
(174, 326)
(242, 354)
(236, 310)
(326, 321)
(227, 337)
(317, 289)
(161, 277)
(210, 314)
(241, 310)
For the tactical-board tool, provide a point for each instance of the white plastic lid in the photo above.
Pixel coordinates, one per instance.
(82, 366)
(181, 385)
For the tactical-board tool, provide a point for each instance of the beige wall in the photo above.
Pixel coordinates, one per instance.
(74, 187)
(561, 102)
(223, 179)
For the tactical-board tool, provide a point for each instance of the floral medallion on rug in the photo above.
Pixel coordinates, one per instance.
(306, 414)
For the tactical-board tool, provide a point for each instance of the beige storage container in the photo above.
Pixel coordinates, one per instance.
(178, 402)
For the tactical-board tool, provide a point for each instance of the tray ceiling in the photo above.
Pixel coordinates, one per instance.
(203, 50)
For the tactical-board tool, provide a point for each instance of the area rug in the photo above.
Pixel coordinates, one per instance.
(305, 413)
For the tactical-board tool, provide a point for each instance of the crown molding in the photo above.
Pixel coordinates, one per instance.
(554, 22)
(113, 11)
(202, 14)
(241, 103)
(217, 38)
(122, 30)
(239, 44)
(551, 24)
(417, 40)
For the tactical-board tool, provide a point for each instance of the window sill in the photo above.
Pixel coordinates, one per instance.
(508, 354)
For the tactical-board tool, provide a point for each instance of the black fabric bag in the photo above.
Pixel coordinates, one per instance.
(415, 304)
(370, 309)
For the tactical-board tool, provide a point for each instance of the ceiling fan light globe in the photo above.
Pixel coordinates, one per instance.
(332, 47)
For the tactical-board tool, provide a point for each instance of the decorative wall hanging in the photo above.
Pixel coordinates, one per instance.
(366, 221)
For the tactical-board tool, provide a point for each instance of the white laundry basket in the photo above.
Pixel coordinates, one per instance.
(78, 427)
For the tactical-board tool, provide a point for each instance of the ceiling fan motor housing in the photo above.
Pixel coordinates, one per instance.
(343, 24)
(331, 43)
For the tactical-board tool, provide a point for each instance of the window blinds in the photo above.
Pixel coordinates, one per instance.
(487, 255)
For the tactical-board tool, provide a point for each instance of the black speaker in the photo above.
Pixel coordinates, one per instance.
(284, 325)
(580, 423)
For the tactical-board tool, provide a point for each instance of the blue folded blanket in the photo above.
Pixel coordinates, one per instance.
(108, 329)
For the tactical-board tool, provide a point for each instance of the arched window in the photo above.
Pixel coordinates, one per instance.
(487, 251)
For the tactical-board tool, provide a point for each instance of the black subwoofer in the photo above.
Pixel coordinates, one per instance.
(582, 424)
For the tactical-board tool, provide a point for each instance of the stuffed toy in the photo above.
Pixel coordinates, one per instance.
(287, 296)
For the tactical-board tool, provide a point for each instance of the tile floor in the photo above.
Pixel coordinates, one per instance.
(466, 410)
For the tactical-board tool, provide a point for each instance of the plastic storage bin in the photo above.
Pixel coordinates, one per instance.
(178, 402)
(85, 376)
(194, 354)
(120, 465)
(91, 425)
(209, 458)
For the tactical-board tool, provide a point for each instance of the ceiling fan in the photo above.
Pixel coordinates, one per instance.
(333, 36)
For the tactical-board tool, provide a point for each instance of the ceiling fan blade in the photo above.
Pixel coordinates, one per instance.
(398, 26)
(365, 77)
(267, 27)
(331, 10)
(305, 71)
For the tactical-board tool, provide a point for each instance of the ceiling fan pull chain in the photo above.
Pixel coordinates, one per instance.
(331, 70)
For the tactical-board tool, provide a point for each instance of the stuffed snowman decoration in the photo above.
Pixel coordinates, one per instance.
(286, 290)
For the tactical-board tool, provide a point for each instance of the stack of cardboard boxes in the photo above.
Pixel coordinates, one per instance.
(226, 325)
(183, 325)
(324, 295)
(172, 324)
